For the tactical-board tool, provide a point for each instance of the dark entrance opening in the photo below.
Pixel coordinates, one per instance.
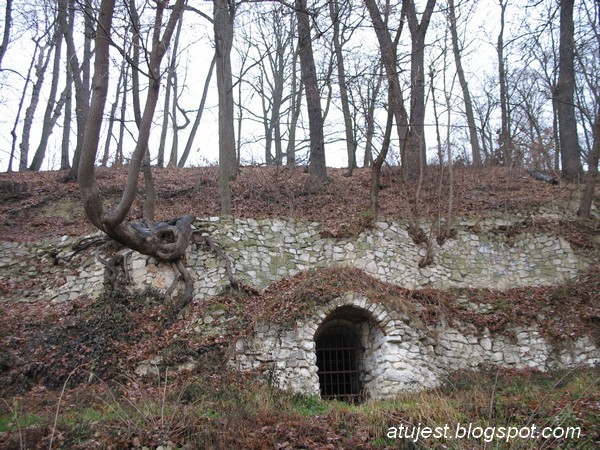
(339, 355)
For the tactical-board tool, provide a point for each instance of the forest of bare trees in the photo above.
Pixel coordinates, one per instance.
(523, 81)
(410, 83)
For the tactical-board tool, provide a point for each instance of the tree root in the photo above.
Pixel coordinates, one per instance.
(79, 246)
(235, 284)
(188, 294)
(165, 241)
(184, 299)
(171, 288)
(112, 264)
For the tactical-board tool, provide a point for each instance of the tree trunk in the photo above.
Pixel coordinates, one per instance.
(373, 87)
(415, 159)
(567, 125)
(388, 58)
(334, 11)
(82, 93)
(224, 13)
(165, 120)
(53, 108)
(89, 31)
(40, 72)
(65, 162)
(171, 83)
(168, 240)
(317, 165)
(120, 141)
(13, 132)
(277, 72)
(295, 108)
(152, 90)
(475, 151)
(7, 28)
(505, 138)
(585, 207)
(113, 114)
(378, 163)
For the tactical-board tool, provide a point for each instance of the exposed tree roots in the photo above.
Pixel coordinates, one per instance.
(165, 241)
(234, 283)
(187, 295)
(111, 265)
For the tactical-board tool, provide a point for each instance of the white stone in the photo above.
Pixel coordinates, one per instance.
(486, 344)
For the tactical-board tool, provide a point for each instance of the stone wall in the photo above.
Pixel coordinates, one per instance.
(399, 355)
(265, 251)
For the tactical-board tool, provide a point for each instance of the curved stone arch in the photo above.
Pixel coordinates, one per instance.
(373, 324)
(386, 320)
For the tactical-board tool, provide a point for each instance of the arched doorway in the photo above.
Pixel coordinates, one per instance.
(340, 363)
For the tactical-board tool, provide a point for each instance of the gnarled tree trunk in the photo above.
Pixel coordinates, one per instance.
(167, 241)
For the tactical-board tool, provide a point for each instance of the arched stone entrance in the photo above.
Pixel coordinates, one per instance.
(345, 348)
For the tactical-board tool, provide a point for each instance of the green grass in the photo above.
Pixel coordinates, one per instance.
(309, 405)
(14, 423)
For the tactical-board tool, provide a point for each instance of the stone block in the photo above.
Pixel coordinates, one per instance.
(486, 344)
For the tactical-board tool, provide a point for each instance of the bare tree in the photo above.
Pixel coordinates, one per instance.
(445, 231)
(532, 137)
(380, 159)
(160, 159)
(122, 118)
(172, 84)
(167, 241)
(7, 28)
(65, 162)
(473, 139)
(545, 54)
(368, 93)
(336, 15)
(275, 41)
(196, 124)
(585, 206)
(484, 108)
(13, 132)
(44, 52)
(317, 165)
(505, 133)
(388, 48)
(53, 107)
(224, 13)
(296, 91)
(567, 125)
(415, 158)
(121, 86)
(79, 72)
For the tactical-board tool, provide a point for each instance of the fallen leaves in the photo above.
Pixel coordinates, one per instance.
(53, 208)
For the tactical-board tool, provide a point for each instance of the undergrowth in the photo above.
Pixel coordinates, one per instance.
(233, 410)
(88, 336)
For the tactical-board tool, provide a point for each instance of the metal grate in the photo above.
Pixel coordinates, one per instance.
(338, 355)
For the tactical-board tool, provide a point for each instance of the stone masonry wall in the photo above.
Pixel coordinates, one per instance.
(399, 355)
(265, 251)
